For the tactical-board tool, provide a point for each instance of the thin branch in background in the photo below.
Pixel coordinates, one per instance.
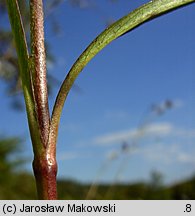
(92, 5)
(128, 147)
(92, 192)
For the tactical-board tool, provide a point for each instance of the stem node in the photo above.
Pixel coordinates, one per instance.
(45, 171)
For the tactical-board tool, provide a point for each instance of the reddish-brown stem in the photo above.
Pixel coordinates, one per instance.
(45, 170)
(38, 67)
(44, 164)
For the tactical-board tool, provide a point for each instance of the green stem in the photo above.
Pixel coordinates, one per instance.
(137, 17)
(24, 69)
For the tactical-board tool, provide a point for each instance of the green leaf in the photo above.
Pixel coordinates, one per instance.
(20, 42)
(24, 67)
(137, 17)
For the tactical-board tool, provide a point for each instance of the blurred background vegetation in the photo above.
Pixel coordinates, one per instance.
(18, 184)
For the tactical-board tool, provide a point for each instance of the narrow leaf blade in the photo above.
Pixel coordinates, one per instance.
(24, 67)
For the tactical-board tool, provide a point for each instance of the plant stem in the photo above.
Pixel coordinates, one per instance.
(38, 68)
(45, 171)
(44, 164)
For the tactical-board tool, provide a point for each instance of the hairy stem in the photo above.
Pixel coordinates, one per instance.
(44, 164)
(38, 68)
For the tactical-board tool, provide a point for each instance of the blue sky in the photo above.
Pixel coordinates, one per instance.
(118, 89)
